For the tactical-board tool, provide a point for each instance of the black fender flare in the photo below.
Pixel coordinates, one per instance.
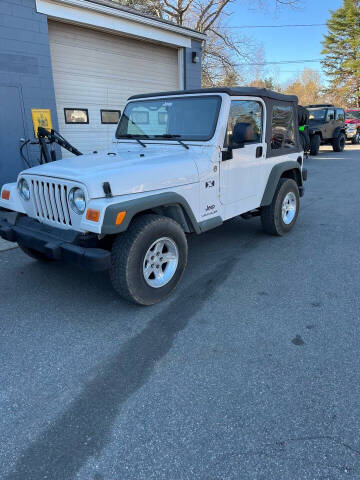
(316, 132)
(274, 177)
(143, 204)
(338, 130)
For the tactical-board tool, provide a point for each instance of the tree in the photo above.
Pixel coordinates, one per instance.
(307, 87)
(224, 50)
(342, 52)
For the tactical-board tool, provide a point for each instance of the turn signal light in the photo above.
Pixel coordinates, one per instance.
(5, 195)
(119, 218)
(92, 215)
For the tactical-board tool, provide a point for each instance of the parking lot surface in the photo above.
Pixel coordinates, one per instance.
(249, 371)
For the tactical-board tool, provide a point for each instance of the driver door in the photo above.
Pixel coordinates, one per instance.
(330, 123)
(240, 172)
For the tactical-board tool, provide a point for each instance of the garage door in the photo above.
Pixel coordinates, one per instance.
(95, 72)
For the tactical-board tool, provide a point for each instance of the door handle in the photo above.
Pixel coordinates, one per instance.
(259, 152)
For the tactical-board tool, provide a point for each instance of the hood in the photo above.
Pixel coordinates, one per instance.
(129, 170)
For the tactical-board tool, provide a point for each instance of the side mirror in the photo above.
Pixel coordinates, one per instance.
(243, 132)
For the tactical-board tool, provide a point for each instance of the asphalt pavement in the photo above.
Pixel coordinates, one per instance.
(251, 370)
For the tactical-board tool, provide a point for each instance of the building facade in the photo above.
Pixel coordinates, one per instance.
(80, 60)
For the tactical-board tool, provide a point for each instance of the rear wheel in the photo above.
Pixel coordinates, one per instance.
(315, 141)
(30, 252)
(280, 216)
(339, 143)
(148, 260)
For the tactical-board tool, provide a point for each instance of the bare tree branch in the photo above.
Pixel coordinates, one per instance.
(223, 51)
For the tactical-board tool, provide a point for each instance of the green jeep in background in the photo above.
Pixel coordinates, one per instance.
(326, 127)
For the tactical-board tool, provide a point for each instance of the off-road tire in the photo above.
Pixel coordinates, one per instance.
(128, 253)
(339, 143)
(271, 215)
(30, 252)
(315, 142)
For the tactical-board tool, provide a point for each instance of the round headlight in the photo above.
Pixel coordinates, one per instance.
(24, 189)
(77, 200)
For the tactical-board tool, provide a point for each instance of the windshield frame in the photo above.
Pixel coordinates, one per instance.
(173, 97)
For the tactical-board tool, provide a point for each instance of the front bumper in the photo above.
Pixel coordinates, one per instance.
(58, 244)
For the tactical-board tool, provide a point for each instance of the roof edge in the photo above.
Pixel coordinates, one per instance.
(173, 26)
(232, 91)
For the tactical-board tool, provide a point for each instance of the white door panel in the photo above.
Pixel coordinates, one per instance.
(240, 175)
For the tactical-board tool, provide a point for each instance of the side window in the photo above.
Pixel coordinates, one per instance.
(246, 117)
(282, 127)
(340, 114)
(330, 114)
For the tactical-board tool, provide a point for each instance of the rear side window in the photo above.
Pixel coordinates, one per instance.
(282, 127)
(340, 114)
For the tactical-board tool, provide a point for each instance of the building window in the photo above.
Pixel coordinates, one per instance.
(110, 116)
(283, 127)
(76, 115)
(162, 118)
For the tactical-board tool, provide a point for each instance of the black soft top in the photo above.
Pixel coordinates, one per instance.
(233, 91)
(303, 115)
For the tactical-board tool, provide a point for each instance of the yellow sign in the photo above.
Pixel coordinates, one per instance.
(41, 117)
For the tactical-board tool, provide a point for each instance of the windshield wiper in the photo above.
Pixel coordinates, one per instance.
(130, 135)
(169, 135)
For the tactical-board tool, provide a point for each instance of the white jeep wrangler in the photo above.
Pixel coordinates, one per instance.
(181, 162)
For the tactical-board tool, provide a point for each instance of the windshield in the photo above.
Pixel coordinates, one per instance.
(182, 118)
(317, 115)
(352, 114)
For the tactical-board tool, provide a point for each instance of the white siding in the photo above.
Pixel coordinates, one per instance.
(97, 70)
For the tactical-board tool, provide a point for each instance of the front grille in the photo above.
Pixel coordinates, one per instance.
(50, 200)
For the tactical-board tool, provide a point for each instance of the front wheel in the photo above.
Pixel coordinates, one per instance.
(339, 143)
(280, 216)
(315, 141)
(149, 259)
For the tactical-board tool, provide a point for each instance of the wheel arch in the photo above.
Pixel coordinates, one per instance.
(290, 169)
(317, 132)
(338, 130)
(168, 204)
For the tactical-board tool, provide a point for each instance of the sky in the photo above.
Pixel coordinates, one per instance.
(282, 44)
